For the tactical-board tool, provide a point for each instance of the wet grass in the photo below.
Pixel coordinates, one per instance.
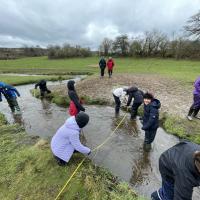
(63, 100)
(28, 171)
(185, 70)
(21, 80)
(182, 128)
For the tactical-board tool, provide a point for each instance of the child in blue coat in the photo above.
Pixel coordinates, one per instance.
(10, 93)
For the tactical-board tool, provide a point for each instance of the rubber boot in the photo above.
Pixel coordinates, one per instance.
(147, 147)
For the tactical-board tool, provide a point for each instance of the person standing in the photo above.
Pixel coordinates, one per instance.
(150, 119)
(194, 109)
(134, 92)
(110, 65)
(66, 140)
(43, 87)
(10, 93)
(75, 103)
(179, 167)
(118, 94)
(102, 65)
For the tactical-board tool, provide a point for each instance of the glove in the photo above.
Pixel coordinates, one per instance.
(89, 153)
(143, 128)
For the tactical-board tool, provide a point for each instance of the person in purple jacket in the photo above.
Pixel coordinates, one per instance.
(66, 140)
(194, 109)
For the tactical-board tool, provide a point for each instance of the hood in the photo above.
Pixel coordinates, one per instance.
(2, 84)
(156, 103)
(70, 85)
(131, 89)
(43, 82)
(71, 123)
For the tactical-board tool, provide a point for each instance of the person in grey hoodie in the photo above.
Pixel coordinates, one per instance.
(66, 140)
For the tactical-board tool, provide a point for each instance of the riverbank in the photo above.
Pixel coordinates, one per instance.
(175, 97)
(29, 171)
(22, 80)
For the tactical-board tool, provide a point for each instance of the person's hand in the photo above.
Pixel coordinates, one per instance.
(89, 153)
(143, 128)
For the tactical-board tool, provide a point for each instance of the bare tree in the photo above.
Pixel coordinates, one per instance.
(121, 45)
(193, 25)
(106, 46)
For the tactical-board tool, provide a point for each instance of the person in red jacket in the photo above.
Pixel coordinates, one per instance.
(110, 65)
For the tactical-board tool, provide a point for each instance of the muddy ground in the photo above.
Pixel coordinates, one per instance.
(175, 96)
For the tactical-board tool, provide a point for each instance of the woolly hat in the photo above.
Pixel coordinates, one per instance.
(82, 119)
(197, 160)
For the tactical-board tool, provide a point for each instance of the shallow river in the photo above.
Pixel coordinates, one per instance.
(123, 155)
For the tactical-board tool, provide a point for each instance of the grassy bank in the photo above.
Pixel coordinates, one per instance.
(28, 171)
(180, 69)
(21, 80)
(63, 100)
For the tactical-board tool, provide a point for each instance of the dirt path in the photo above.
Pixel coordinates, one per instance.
(175, 96)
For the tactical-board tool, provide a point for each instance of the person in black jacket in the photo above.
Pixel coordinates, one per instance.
(73, 96)
(137, 94)
(102, 65)
(150, 119)
(43, 87)
(179, 167)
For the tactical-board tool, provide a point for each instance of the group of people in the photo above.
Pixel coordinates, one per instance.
(179, 166)
(110, 64)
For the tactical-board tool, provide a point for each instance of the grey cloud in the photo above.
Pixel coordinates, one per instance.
(87, 22)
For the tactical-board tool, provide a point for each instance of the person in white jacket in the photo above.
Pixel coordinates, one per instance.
(66, 140)
(119, 94)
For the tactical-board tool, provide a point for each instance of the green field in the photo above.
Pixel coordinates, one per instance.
(180, 69)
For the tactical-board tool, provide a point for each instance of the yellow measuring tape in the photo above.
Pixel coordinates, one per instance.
(96, 148)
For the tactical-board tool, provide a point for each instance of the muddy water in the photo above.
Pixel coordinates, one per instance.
(123, 155)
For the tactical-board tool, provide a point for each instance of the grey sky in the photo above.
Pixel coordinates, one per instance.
(87, 22)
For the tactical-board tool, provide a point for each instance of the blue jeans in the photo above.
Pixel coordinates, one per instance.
(164, 193)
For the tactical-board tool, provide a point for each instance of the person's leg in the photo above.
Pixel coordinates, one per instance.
(16, 105)
(42, 93)
(134, 110)
(152, 135)
(12, 107)
(109, 73)
(60, 161)
(48, 91)
(117, 104)
(102, 72)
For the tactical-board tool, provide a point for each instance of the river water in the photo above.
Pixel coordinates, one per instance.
(123, 154)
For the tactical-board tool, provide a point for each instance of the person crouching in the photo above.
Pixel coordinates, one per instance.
(66, 140)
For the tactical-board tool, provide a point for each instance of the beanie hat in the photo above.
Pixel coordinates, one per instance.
(197, 160)
(82, 119)
(70, 85)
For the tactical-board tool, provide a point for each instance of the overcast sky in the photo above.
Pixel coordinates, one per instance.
(87, 22)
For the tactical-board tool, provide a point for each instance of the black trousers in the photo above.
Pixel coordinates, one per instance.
(60, 161)
(117, 103)
(110, 72)
(149, 136)
(134, 110)
(42, 92)
(102, 71)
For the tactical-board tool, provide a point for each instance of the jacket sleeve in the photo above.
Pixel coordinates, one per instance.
(0, 97)
(75, 141)
(36, 85)
(152, 118)
(16, 91)
(182, 188)
(197, 85)
(75, 99)
(130, 96)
